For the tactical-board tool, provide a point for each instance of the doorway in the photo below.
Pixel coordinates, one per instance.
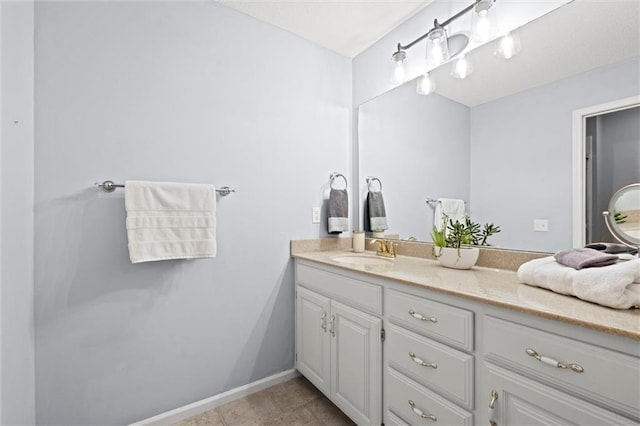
(606, 154)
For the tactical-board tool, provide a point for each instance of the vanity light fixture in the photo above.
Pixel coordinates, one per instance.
(484, 26)
(440, 47)
(398, 72)
(437, 46)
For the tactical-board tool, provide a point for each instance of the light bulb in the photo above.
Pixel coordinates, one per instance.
(437, 47)
(484, 26)
(426, 84)
(507, 46)
(398, 70)
(461, 68)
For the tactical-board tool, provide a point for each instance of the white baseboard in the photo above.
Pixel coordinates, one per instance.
(210, 403)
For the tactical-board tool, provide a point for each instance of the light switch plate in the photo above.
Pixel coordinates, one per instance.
(315, 215)
(540, 225)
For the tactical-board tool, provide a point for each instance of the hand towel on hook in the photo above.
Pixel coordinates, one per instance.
(168, 220)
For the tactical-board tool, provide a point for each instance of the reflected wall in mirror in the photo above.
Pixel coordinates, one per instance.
(507, 152)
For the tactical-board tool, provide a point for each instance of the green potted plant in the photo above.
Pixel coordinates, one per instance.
(455, 244)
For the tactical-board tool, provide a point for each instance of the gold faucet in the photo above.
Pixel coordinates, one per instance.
(385, 248)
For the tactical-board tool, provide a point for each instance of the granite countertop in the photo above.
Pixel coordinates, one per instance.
(493, 286)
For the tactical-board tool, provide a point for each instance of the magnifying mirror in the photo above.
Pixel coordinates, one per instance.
(623, 217)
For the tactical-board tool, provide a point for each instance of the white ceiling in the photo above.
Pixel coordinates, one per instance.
(344, 26)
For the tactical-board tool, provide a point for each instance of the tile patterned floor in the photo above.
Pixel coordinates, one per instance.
(292, 403)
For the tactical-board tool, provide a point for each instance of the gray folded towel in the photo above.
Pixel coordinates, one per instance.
(376, 214)
(338, 211)
(584, 258)
(612, 248)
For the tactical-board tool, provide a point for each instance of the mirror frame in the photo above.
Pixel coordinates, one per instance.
(579, 165)
(612, 225)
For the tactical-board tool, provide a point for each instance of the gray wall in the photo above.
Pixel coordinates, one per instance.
(187, 92)
(521, 155)
(411, 144)
(17, 382)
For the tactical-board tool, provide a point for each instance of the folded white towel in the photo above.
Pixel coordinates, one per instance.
(170, 220)
(616, 286)
(451, 207)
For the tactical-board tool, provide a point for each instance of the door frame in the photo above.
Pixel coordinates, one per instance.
(579, 162)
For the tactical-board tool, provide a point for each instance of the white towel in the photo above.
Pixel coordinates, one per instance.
(170, 220)
(616, 286)
(451, 207)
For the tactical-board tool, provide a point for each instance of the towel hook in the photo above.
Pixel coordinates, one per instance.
(334, 176)
(370, 180)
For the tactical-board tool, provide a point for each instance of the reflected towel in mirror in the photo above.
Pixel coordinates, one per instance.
(376, 212)
(452, 208)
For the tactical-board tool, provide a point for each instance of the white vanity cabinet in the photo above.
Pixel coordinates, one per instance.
(456, 360)
(543, 375)
(338, 346)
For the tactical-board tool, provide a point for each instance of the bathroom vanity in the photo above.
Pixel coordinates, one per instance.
(406, 341)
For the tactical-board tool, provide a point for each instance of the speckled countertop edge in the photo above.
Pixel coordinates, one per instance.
(492, 286)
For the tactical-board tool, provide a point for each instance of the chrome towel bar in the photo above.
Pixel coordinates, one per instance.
(433, 201)
(110, 186)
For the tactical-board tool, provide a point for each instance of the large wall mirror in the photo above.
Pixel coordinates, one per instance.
(501, 139)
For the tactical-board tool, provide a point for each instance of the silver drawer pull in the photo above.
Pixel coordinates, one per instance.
(422, 317)
(323, 321)
(492, 406)
(552, 362)
(421, 413)
(332, 330)
(421, 362)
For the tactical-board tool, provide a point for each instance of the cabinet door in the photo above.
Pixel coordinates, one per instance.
(356, 362)
(313, 355)
(521, 401)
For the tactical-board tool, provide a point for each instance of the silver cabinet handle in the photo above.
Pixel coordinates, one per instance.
(492, 406)
(421, 362)
(332, 330)
(422, 317)
(552, 362)
(323, 321)
(421, 413)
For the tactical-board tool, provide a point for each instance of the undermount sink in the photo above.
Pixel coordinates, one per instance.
(362, 259)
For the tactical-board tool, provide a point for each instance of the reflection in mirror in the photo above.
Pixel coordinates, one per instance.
(612, 139)
(623, 216)
(501, 140)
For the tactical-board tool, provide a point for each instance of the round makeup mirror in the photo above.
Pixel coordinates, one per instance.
(623, 217)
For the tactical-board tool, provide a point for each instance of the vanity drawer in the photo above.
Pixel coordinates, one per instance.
(408, 400)
(436, 366)
(447, 324)
(609, 378)
(356, 293)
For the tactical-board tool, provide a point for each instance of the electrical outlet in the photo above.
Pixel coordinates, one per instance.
(315, 215)
(540, 225)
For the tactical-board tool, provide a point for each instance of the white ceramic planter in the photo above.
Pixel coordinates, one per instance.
(464, 259)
